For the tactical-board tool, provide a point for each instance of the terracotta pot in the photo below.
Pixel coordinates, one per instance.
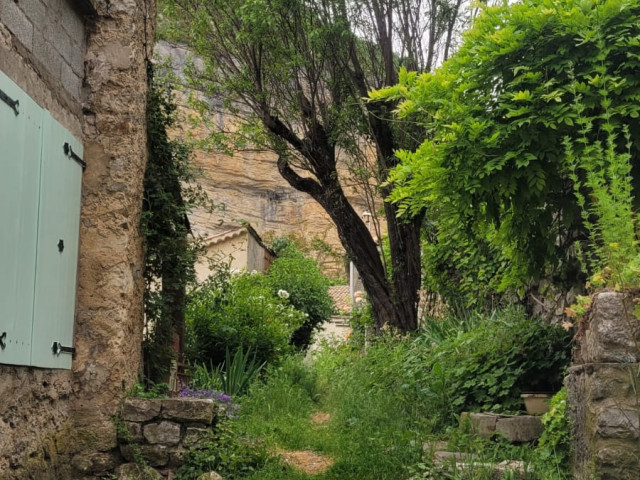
(536, 403)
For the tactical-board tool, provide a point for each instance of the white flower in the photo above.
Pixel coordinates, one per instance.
(283, 294)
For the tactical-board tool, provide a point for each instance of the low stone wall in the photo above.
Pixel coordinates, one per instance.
(162, 430)
(603, 391)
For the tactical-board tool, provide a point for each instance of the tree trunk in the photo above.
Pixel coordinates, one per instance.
(393, 303)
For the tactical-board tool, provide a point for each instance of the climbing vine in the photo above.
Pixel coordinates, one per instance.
(170, 254)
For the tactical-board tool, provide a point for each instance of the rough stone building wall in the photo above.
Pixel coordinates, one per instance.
(603, 392)
(85, 61)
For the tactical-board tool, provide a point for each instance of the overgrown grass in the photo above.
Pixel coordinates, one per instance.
(382, 403)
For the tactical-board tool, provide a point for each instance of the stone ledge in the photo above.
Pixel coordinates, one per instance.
(515, 428)
(140, 409)
(189, 410)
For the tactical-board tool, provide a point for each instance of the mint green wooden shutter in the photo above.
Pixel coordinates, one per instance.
(58, 227)
(20, 149)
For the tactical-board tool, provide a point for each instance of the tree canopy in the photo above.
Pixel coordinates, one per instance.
(496, 116)
(295, 73)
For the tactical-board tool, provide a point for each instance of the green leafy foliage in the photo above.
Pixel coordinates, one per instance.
(487, 367)
(150, 390)
(226, 453)
(496, 118)
(169, 195)
(237, 372)
(554, 448)
(612, 250)
(306, 288)
(227, 312)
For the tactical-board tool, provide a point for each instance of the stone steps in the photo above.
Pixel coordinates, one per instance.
(515, 428)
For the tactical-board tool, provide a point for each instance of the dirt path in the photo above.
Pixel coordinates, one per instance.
(308, 461)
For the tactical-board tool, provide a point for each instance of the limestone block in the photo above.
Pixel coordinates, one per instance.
(618, 423)
(164, 433)
(189, 410)
(481, 423)
(614, 332)
(520, 428)
(94, 462)
(210, 476)
(140, 409)
(176, 456)
(604, 413)
(133, 471)
(135, 432)
(443, 456)
(196, 436)
(154, 455)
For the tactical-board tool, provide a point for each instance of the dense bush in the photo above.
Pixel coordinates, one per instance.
(228, 312)
(489, 366)
(498, 117)
(306, 288)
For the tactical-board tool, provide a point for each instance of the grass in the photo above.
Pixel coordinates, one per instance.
(380, 417)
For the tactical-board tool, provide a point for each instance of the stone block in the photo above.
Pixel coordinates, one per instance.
(614, 332)
(196, 436)
(46, 53)
(34, 10)
(189, 410)
(71, 81)
(210, 476)
(133, 432)
(481, 423)
(140, 409)
(17, 22)
(176, 456)
(442, 457)
(164, 433)
(133, 471)
(154, 455)
(520, 428)
(94, 462)
(618, 423)
(72, 23)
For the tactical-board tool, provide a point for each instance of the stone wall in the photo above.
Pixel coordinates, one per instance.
(109, 317)
(162, 430)
(85, 61)
(603, 391)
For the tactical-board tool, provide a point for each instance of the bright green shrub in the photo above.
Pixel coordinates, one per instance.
(227, 312)
(497, 116)
(300, 280)
(554, 448)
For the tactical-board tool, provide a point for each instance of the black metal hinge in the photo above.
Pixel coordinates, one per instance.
(57, 349)
(3, 340)
(14, 104)
(68, 151)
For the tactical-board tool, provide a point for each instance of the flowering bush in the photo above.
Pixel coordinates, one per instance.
(228, 312)
(298, 279)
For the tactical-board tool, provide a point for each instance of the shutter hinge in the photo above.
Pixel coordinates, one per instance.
(14, 104)
(3, 340)
(57, 349)
(68, 151)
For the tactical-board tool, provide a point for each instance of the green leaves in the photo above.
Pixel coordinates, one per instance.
(494, 120)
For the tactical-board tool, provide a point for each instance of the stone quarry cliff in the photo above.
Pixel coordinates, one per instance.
(249, 188)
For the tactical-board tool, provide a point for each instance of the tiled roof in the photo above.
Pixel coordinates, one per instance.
(341, 297)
